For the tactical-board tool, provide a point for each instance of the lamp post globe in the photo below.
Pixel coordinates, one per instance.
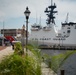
(27, 13)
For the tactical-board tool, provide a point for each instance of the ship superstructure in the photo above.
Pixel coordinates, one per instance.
(48, 36)
(50, 13)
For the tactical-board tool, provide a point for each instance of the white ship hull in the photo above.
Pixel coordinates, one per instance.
(52, 38)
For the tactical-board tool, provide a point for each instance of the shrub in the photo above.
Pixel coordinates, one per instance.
(17, 65)
(21, 65)
(18, 48)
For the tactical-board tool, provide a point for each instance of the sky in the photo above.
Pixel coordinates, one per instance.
(12, 12)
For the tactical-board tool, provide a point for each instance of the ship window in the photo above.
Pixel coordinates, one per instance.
(36, 39)
(47, 38)
(68, 28)
(59, 34)
(75, 26)
(68, 31)
(54, 39)
(63, 32)
(63, 25)
(32, 38)
(64, 35)
(40, 38)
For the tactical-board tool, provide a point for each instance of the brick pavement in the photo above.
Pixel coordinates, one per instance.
(6, 51)
(2, 47)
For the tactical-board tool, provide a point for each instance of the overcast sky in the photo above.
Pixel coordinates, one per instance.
(12, 12)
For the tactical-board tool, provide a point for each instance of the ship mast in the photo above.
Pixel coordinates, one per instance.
(50, 13)
(51, 2)
(66, 21)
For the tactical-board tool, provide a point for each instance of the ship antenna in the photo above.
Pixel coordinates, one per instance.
(36, 18)
(51, 2)
(66, 21)
(40, 20)
(50, 13)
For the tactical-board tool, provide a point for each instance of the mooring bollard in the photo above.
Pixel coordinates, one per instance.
(62, 72)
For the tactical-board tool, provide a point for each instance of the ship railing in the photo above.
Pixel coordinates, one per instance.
(46, 29)
(56, 47)
(34, 29)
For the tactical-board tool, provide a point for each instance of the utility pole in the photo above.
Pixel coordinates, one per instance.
(3, 34)
(23, 36)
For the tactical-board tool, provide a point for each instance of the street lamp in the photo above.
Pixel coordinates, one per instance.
(27, 13)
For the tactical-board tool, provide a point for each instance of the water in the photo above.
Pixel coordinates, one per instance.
(52, 52)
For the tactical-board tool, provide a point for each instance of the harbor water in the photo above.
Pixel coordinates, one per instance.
(53, 52)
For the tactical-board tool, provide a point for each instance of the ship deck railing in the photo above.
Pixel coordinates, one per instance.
(58, 47)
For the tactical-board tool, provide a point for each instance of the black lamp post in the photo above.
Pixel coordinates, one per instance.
(27, 13)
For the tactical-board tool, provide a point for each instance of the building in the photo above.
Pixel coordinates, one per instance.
(11, 32)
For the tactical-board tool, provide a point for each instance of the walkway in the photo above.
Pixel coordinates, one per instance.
(46, 70)
(2, 47)
(6, 51)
